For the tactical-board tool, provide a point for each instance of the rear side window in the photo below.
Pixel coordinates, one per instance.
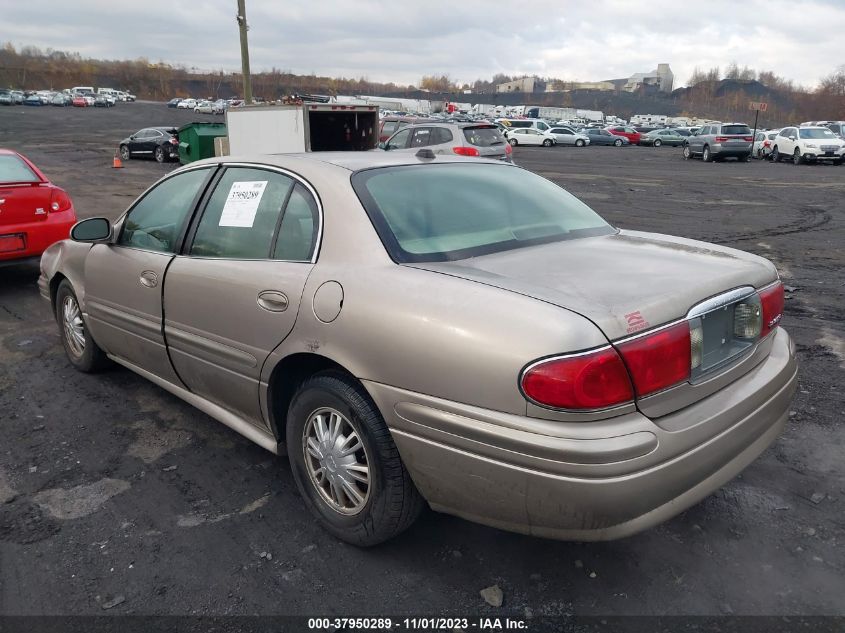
(441, 135)
(483, 136)
(298, 231)
(240, 219)
(13, 169)
(389, 127)
(449, 212)
(736, 129)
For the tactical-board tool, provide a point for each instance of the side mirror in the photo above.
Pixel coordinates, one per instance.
(382, 145)
(791, 138)
(132, 138)
(91, 230)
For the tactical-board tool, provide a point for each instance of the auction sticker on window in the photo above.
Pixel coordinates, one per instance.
(242, 203)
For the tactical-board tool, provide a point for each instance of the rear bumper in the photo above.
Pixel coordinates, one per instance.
(588, 480)
(38, 235)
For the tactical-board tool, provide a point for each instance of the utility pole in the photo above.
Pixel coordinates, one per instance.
(242, 26)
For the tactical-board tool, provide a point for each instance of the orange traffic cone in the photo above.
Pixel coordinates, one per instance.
(116, 164)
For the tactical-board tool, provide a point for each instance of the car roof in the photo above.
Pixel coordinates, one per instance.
(350, 161)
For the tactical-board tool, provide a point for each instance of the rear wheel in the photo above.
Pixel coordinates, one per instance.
(618, 142)
(513, 142)
(159, 154)
(547, 142)
(124, 152)
(345, 463)
(658, 142)
(579, 142)
(706, 156)
(81, 350)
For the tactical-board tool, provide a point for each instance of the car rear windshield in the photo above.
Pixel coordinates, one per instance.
(736, 129)
(13, 169)
(483, 136)
(430, 213)
(816, 133)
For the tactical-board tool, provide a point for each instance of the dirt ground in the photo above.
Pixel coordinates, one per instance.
(116, 497)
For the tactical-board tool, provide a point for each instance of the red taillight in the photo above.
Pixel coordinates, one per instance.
(771, 300)
(508, 149)
(721, 139)
(59, 201)
(766, 143)
(593, 380)
(466, 151)
(660, 360)
(174, 140)
(747, 138)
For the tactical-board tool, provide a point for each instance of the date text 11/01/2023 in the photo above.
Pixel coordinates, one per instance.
(418, 624)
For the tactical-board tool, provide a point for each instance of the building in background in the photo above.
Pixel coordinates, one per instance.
(660, 79)
(526, 84)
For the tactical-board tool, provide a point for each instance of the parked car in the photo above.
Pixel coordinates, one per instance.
(160, 143)
(103, 101)
(34, 213)
(173, 102)
(763, 143)
(62, 100)
(33, 100)
(388, 125)
(18, 97)
(204, 106)
(6, 98)
(837, 127)
(598, 136)
(89, 99)
(808, 144)
(567, 136)
(219, 107)
(627, 132)
(79, 101)
(529, 136)
(412, 330)
(663, 137)
(463, 139)
(716, 141)
(187, 104)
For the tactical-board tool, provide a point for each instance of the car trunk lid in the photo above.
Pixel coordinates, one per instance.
(624, 283)
(22, 203)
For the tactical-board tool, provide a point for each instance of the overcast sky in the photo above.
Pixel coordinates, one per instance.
(802, 40)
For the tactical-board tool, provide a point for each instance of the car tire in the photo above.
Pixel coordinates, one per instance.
(158, 153)
(658, 142)
(125, 154)
(706, 156)
(513, 142)
(579, 142)
(618, 142)
(797, 159)
(547, 142)
(81, 350)
(390, 503)
(687, 153)
(775, 155)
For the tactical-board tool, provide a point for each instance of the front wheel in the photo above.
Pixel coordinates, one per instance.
(82, 352)
(797, 159)
(579, 143)
(345, 463)
(547, 142)
(513, 142)
(658, 142)
(618, 142)
(687, 152)
(124, 152)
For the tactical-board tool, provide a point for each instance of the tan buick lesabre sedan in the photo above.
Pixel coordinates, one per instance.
(411, 329)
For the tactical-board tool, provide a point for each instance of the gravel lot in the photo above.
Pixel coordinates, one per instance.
(115, 495)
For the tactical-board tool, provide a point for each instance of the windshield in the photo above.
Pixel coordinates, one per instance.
(426, 213)
(483, 136)
(815, 132)
(13, 169)
(736, 129)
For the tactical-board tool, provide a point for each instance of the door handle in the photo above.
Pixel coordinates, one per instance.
(149, 279)
(273, 301)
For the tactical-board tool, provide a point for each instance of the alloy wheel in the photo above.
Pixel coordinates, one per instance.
(73, 326)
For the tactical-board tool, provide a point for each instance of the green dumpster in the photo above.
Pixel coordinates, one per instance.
(196, 140)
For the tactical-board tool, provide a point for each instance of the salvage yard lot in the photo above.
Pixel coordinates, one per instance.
(115, 495)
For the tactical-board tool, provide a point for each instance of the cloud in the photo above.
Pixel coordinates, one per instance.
(471, 39)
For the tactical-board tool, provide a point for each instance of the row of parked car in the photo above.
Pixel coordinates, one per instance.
(203, 106)
(63, 98)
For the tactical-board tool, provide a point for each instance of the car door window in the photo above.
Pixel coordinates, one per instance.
(422, 137)
(542, 126)
(156, 221)
(399, 140)
(241, 216)
(388, 128)
(441, 135)
(298, 231)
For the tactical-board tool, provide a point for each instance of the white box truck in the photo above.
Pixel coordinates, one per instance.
(308, 127)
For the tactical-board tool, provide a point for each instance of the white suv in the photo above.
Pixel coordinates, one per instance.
(808, 144)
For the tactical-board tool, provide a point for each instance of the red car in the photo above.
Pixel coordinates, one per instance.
(79, 102)
(34, 212)
(628, 132)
